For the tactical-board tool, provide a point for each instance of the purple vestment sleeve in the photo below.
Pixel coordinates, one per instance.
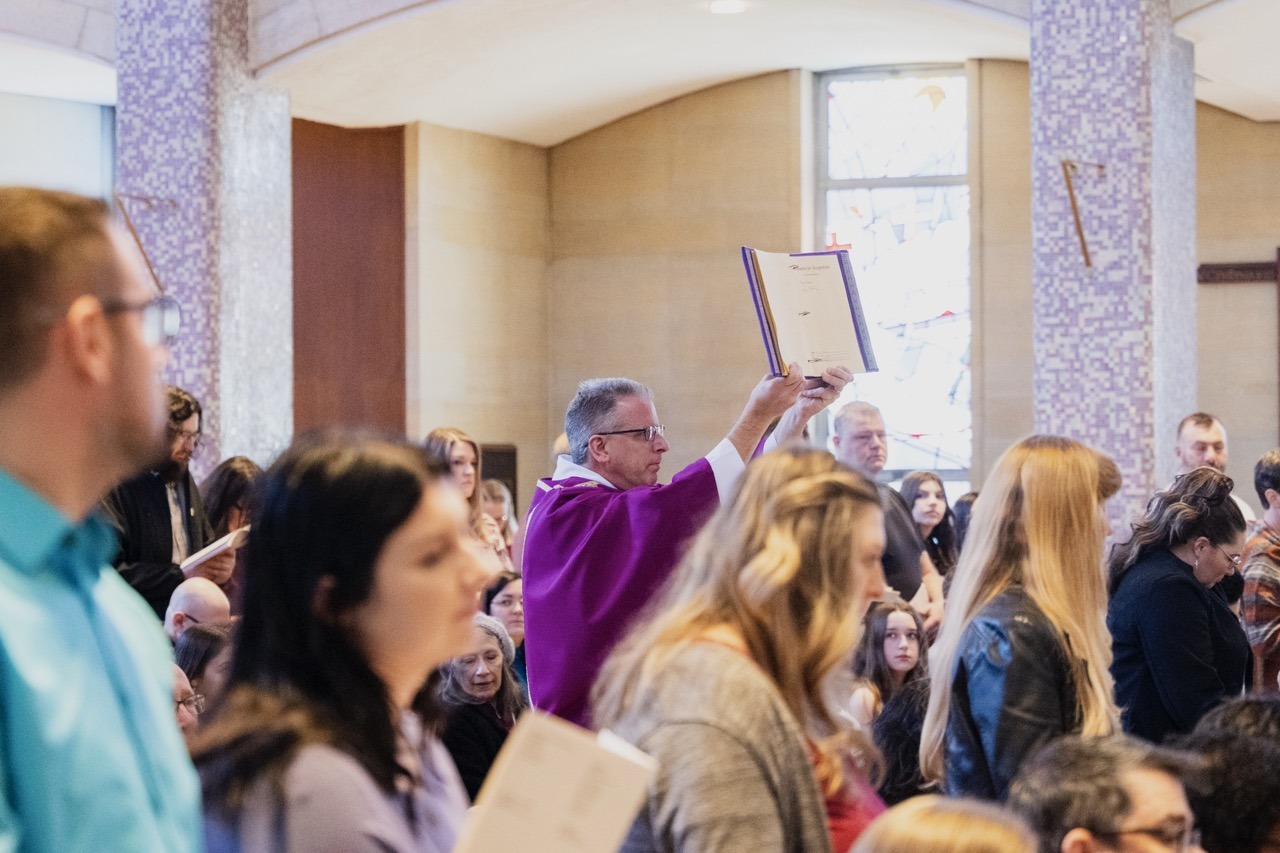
(594, 557)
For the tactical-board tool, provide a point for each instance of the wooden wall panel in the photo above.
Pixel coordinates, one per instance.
(348, 276)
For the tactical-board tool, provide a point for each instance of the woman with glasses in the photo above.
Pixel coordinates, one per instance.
(361, 581)
(1178, 648)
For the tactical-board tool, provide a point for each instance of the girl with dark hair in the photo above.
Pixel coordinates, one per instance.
(483, 699)
(226, 502)
(203, 652)
(923, 492)
(1178, 650)
(962, 510)
(361, 581)
(460, 454)
(890, 653)
(504, 601)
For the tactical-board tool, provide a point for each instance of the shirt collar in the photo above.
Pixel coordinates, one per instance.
(31, 528)
(566, 468)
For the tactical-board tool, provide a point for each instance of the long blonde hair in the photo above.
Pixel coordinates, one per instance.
(934, 824)
(1037, 523)
(439, 445)
(774, 563)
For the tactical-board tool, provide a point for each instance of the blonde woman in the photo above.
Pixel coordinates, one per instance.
(1024, 654)
(730, 683)
(940, 825)
(459, 451)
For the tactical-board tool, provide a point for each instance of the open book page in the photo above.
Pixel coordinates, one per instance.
(810, 310)
(557, 788)
(230, 542)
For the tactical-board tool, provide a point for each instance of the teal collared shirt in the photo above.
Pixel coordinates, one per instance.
(90, 753)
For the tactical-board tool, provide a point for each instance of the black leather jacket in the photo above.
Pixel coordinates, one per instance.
(1012, 694)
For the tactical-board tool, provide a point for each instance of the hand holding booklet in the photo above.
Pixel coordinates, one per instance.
(809, 311)
(557, 788)
(230, 542)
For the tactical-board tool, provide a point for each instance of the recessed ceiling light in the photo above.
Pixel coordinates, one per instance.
(726, 7)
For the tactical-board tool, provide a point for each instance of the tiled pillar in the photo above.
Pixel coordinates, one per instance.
(203, 159)
(1112, 93)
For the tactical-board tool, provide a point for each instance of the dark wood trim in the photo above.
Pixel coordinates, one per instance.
(1262, 271)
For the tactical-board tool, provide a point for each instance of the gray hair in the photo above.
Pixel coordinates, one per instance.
(858, 408)
(1266, 475)
(1076, 782)
(591, 410)
(510, 700)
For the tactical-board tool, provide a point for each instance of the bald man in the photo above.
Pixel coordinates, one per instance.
(196, 601)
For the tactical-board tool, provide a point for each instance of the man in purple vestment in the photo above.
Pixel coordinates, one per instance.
(602, 537)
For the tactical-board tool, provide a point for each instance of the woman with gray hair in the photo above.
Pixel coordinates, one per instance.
(483, 698)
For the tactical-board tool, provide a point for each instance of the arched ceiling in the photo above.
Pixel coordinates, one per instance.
(542, 71)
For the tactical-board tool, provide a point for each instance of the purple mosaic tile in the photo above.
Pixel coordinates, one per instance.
(1114, 342)
(203, 158)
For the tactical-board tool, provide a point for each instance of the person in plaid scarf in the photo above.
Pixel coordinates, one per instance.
(1260, 566)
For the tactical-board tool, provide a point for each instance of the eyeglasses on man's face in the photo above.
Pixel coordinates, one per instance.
(1175, 836)
(182, 436)
(161, 317)
(648, 433)
(193, 703)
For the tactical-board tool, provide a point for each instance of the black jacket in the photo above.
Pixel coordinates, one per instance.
(474, 735)
(139, 511)
(1012, 693)
(1177, 649)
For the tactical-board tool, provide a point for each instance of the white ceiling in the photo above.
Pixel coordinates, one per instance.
(34, 68)
(542, 71)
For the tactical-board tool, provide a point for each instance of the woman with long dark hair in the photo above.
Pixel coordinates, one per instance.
(361, 581)
(226, 494)
(924, 494)
(1179, 650)
(891, 653)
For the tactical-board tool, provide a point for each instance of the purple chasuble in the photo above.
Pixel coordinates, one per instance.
(594, 557)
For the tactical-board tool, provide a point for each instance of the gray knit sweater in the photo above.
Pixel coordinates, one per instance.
(733, 772)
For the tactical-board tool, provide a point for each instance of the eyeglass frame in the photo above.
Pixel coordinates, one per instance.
(1189, 836)
(649, 432)
(170, 316)
(193, 703)
(1235, 561)
(195, 438)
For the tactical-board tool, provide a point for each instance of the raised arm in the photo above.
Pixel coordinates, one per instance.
(791, 400)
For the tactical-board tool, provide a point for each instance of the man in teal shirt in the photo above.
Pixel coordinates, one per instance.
(90, 754)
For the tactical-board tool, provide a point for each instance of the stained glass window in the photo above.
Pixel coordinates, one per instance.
(893, 189)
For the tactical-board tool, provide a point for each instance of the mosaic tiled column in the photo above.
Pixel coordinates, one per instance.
(1112, 96)
(203, 161)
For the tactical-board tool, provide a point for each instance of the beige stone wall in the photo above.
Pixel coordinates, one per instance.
(1000, 193)
(478, 249)
(1238, 216)
(646, 278)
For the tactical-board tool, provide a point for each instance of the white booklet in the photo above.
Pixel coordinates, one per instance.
(230, 542)
(809, 311)
(558, 788)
